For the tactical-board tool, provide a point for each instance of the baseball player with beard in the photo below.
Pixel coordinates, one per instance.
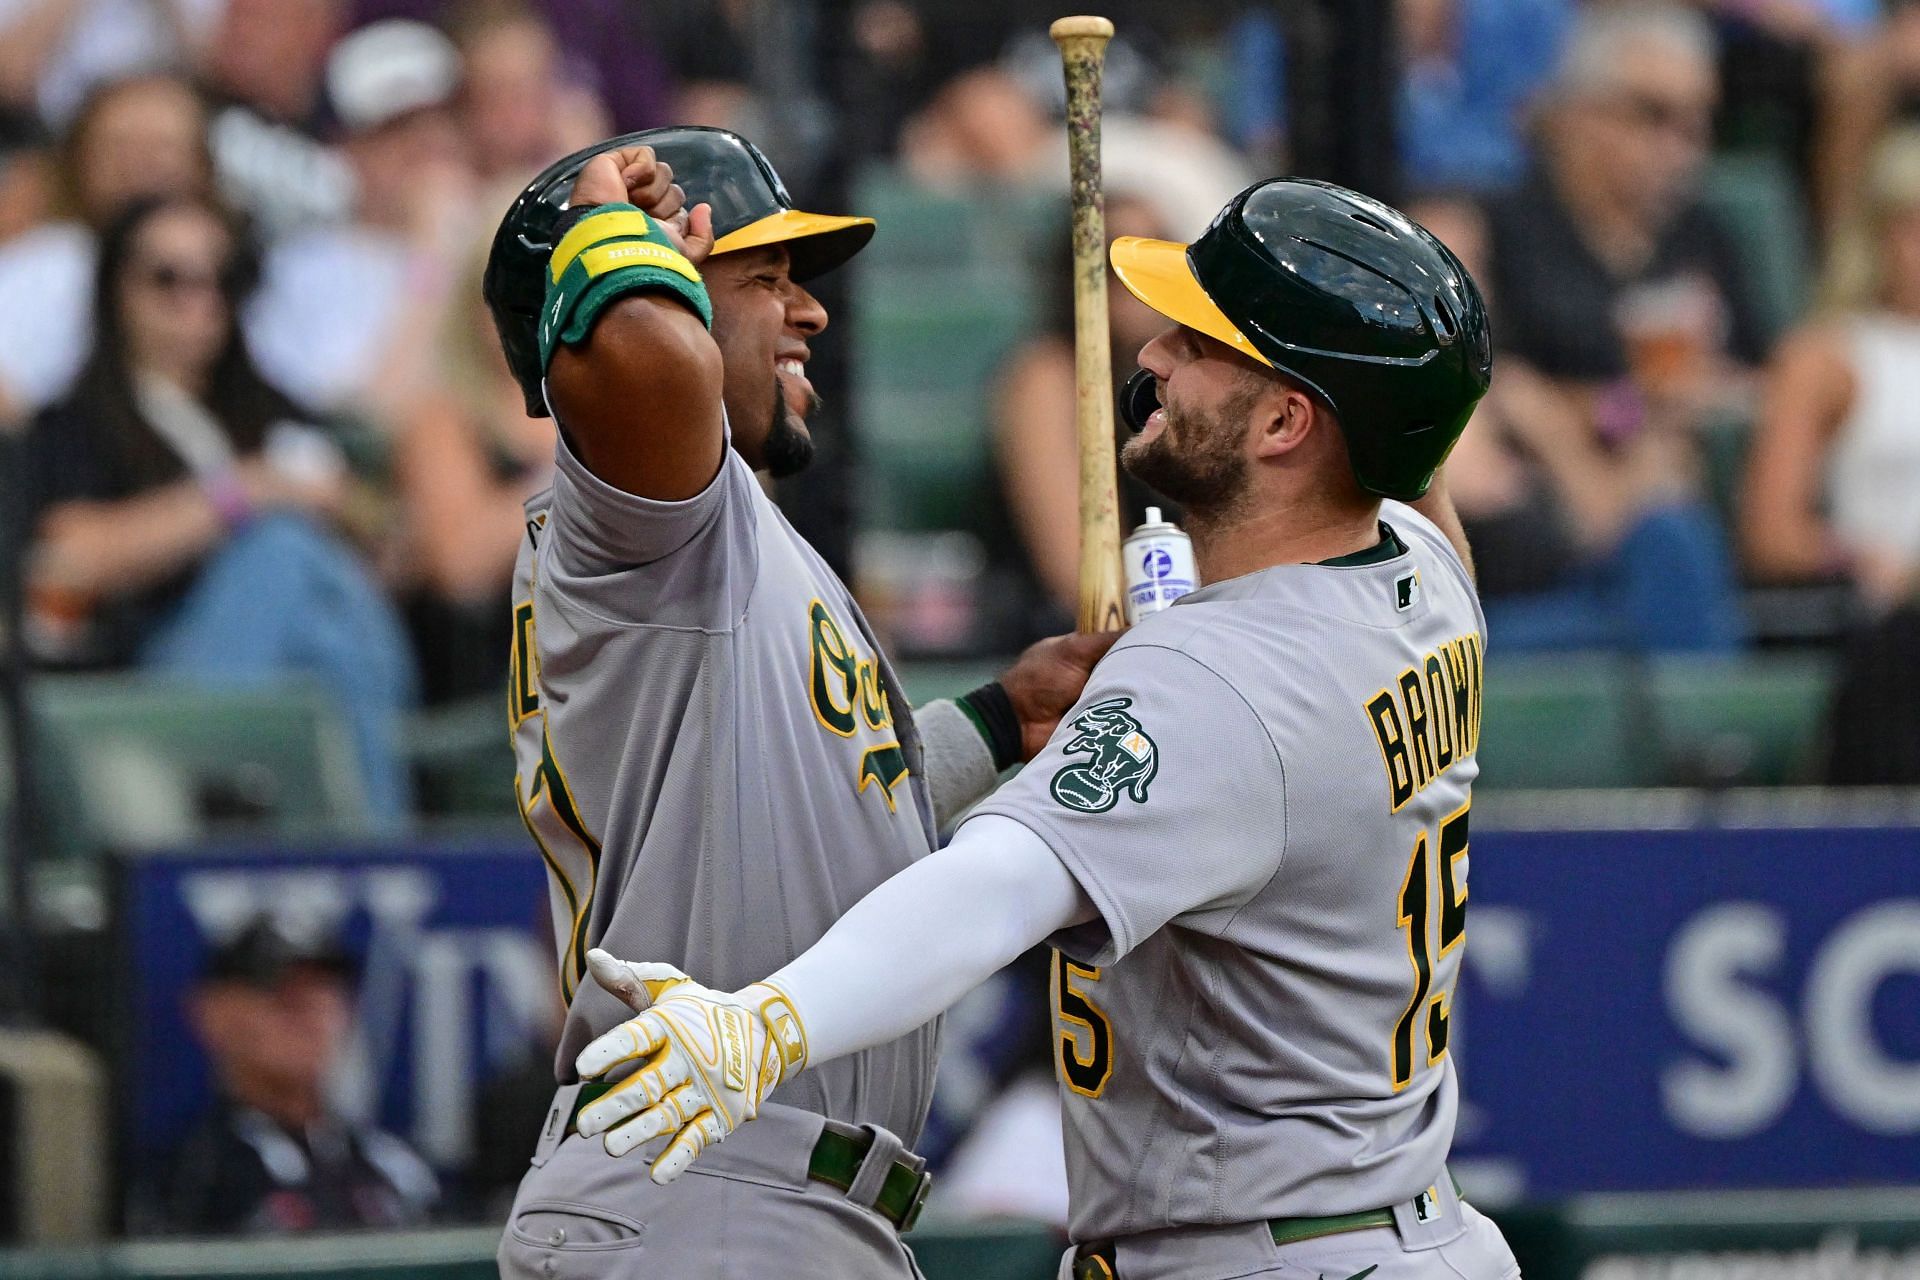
(713, 754)
(1248, 841)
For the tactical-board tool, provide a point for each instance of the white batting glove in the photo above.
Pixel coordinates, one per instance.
(711, 1058)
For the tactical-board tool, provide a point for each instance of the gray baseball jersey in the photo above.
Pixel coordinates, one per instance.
(712, 754)
(1264, 790)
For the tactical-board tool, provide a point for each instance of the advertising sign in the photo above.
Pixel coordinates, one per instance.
(1646, 1010)
(455, 974)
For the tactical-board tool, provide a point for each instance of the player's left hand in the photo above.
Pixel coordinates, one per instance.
(1046, 680)
(710, 1058)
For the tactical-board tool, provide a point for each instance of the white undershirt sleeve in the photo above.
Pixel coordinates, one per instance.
(932, 933)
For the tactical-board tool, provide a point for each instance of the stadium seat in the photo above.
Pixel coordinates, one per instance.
(925, 681)
(942, 295)
(1751, 721)
(151, 762)
(463, 761)
(1569, 720)
(1756, 199)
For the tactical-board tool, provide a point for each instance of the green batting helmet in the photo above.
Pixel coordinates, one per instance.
(1347, 296)
(751, 208)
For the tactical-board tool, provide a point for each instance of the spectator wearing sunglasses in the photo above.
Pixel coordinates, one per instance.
(1610, 269)
(1621, 291)
(183, 514)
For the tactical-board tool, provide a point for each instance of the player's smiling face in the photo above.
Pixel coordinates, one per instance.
(762, 321)
(1194, 447)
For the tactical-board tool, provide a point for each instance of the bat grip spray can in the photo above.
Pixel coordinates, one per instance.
(1159, 563)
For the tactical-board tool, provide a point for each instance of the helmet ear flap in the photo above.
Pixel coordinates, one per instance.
(1138, 399)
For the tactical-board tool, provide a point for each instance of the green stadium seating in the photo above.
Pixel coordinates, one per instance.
(944, 292)
(1595, 720)
(1757, 200)
(1750, 722)
(925, 681)
(1566, 720)
(463, 761)
(136, 761)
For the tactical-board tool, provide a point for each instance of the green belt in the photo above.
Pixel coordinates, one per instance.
(1096, 1262)
(836, 1161)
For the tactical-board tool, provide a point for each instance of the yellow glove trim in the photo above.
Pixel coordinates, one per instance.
(785, 1031)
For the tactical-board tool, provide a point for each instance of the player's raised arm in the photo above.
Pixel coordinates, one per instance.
(633, 375)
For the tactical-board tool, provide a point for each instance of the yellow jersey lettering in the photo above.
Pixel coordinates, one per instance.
(1428, 719)
(1393, 747)
(1443, 735)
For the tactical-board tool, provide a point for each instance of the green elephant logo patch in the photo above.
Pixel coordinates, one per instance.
(1124, 759)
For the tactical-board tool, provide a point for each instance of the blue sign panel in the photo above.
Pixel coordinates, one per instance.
(456, 978)
(1700, 1008)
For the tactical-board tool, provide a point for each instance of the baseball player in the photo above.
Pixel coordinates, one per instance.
(713, 755)
(1248, 840)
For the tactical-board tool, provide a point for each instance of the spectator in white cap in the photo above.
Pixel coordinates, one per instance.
(337, 300)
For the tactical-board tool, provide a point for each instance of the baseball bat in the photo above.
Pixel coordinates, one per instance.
(1083, 52)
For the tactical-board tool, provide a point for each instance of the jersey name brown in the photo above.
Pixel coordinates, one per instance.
(1428, 718)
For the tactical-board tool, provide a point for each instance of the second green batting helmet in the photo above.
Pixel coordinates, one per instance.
(1347, 296)
(751, 208)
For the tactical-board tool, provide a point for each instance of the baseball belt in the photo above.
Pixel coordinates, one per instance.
(836, 1161)
(1096, 1261)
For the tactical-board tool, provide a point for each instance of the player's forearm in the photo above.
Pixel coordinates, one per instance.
(919, 942)
(640, 399)
(632, 371)
(103, 549)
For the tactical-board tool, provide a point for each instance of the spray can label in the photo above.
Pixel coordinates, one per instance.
(1159, 567)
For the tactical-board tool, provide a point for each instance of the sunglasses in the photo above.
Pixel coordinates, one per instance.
(1665, 115)
(174, 279)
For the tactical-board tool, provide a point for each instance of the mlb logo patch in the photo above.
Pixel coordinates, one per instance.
(1406, 591)
(1424, 1206)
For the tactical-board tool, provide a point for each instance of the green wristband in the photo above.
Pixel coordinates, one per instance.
(613, 251)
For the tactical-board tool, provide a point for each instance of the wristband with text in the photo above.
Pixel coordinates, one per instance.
(611, 251)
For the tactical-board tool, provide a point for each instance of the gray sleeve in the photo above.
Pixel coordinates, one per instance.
(600, 529)
(958, 763)
(1163, 794)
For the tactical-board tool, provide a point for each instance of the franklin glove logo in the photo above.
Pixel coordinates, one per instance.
(1124, 759)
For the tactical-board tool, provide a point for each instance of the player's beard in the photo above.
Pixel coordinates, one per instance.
(789, 448)
(1197, 459)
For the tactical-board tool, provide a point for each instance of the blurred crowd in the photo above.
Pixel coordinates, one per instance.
(262, 427)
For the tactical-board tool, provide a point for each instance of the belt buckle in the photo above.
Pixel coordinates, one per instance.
(919, 1202)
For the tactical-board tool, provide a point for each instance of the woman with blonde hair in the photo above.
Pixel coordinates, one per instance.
(1833, 482)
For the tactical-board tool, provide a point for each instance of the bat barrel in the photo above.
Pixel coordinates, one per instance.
(1083, 42)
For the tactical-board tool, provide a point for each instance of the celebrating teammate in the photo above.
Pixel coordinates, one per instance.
(714, 755)
(1248, 840)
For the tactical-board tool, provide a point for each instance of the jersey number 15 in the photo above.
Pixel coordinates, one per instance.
(1429, 1006)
